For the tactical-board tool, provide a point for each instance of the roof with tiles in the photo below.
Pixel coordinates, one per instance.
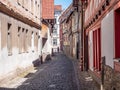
(58, 8)
(66, 13)
(48, 9)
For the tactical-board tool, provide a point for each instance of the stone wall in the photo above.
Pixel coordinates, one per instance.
(111, 79)
(108, 77)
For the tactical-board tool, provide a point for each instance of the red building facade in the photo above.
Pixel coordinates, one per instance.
(102, 27)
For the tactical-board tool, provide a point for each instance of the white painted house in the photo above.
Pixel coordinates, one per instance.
(19, 36)
(56, 30)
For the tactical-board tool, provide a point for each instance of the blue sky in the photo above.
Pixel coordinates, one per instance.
(64, 3)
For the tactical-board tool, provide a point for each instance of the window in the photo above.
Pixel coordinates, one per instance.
(9, 40)
(97, 50)
(19, 39)
(32, 42)
(23, 40)
(54, 31)
(18, 1)
(117, 33)
(26, 40)
(56, 26)
(36, 41)
(74, 41)
(56, 20)
(54, 42)
(57, 12)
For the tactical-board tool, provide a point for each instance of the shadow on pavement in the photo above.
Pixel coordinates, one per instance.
(28, 83)
(2, 88)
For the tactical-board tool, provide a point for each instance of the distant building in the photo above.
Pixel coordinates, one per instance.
(19, 36)
(56, 30)
(47, 27)
(65, 31)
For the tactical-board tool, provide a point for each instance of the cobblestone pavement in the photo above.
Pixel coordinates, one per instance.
(61, 73)
(57, 74)
(85, 81)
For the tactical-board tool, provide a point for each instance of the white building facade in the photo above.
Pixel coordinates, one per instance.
(56, 30)
(19, 36)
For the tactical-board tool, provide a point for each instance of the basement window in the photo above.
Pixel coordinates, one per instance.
(54, 42)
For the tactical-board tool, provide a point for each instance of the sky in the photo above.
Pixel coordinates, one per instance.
(64, 3)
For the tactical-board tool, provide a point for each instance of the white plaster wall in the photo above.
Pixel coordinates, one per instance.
(40, 43)
(47, 47)
(46, 50)
(90, 44)
(27, 4)
(0, 38)
(57, 36)
(9, 64)
(107, 32)
(49, 42)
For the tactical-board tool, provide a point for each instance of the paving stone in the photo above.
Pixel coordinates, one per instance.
(61, 73)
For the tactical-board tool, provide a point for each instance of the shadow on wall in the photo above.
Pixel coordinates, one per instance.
(48, 57)
(38, 62)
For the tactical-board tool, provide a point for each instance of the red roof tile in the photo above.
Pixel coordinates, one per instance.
(58, 7)
(48, 9)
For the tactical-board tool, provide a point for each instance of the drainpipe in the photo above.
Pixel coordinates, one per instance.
(78, 22)
(82, 29)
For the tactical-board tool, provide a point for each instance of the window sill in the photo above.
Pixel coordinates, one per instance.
(19, 53)
(117, 59)
(9, 53)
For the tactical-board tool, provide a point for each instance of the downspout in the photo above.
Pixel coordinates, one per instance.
(78, 22)
(82, 29)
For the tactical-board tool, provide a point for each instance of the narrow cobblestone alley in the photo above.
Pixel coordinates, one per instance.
(59, 45)
(57, 74)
